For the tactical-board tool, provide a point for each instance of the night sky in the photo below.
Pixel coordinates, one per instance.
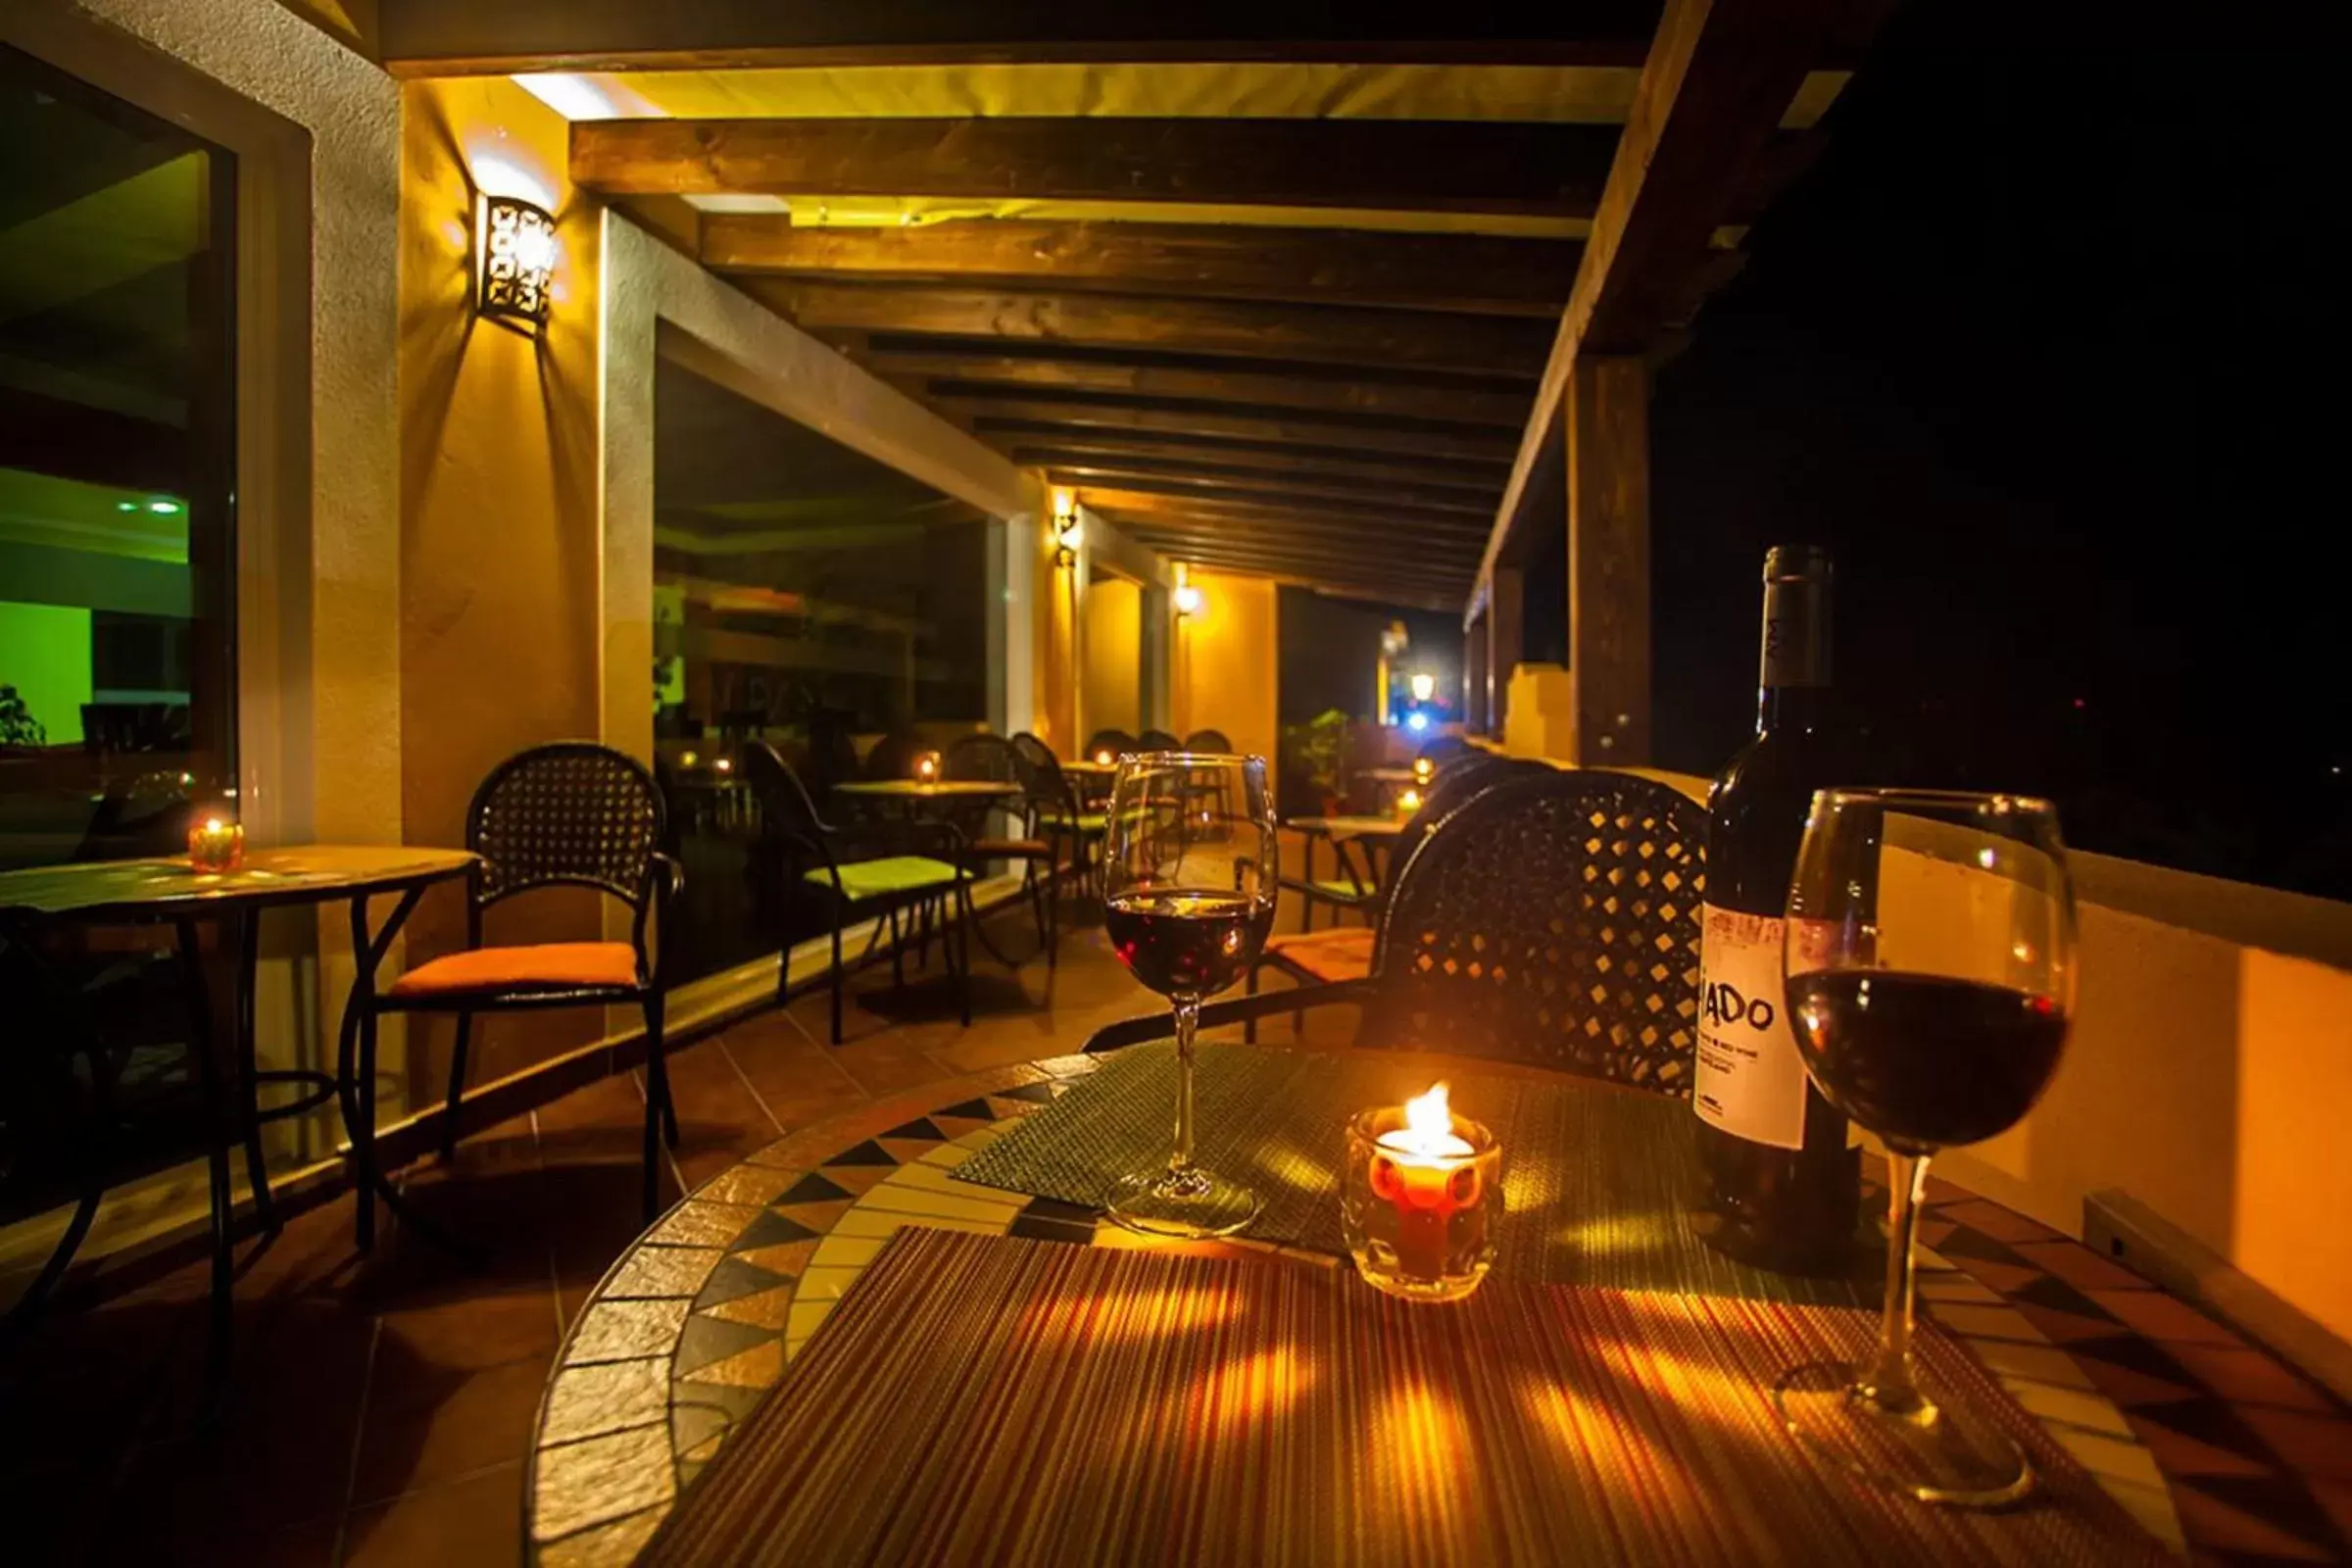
(2049, 348)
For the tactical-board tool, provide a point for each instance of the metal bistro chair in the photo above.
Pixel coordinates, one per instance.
(1356, 890)
(870, 867)
(1059, 812)
(996, 761)
(1345, 951)
(1117, 742)
(1553, 921)
(571, 815)
(1210, 741)
(1156, 740)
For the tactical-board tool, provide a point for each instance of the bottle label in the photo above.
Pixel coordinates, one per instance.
(1749, 1080)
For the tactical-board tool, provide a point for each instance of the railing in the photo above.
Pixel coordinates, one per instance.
(2203, 1091)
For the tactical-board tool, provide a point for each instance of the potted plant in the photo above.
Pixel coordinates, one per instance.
(19, 729)
(1314, 765)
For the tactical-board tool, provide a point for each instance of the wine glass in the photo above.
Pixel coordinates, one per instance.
(1189, 887)
(1930, 956)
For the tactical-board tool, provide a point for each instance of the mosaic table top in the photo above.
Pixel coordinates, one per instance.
(2213, 1445)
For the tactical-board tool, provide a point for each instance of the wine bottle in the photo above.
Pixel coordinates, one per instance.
(1782, 1178)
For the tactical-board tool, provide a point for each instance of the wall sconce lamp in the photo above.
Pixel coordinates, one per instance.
(1188, 600)
(1425, 686)
(515, 245)
(1069, 534)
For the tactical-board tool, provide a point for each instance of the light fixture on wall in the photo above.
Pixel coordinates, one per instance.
(514, 260)
(1188, 600)
(1069, 534)
(1425, 686)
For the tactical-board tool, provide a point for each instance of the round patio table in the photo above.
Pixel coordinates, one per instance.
(167, 891)
(2218, 1448)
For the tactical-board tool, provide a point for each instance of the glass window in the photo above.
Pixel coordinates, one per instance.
(805, 596)
(117, 449)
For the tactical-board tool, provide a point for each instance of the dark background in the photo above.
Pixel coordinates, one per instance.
(2048, 347)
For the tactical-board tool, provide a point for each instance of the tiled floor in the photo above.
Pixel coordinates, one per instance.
(380, 1410)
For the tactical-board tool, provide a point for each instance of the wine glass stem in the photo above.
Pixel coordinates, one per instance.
(1188, 1021)
(1890, 1386)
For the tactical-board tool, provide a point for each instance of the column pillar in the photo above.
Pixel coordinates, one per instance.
(1608, 560)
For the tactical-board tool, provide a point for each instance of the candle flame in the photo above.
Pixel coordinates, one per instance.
(1103, 758)
(213, 824)
(1429, 1122)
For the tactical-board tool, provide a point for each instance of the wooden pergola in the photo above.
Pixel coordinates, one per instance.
(1370, 312)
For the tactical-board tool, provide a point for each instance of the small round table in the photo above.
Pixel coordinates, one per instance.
(167, 891)
(2212, 1444)
(913, 792)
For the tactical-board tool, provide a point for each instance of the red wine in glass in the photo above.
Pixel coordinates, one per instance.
(1923, 1060)
(1182, 943)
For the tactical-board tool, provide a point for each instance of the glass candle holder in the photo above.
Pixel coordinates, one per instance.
(1417, 1195)
(926, 768)
(216, 844)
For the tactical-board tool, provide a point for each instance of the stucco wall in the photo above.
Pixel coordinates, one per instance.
(1226, 663)
(1112, 645)
(500, 575)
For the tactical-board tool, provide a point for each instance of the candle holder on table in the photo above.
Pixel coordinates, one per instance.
(1417, 1196)
(216, 844)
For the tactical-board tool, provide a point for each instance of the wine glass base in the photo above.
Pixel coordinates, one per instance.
(1936, 1451)
(1183, 1202)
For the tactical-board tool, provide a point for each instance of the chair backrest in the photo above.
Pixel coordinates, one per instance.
(984, 758)
(785, 808)
(1113, 741)
(1210, 741)
(571, 815)
(1156, 740)
(1553, 920)
(1445, 748)
(1043, 781)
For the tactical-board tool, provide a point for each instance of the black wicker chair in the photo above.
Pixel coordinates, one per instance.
(1345, 951)
(1008, 829)
(571, 815)
(1211, 742)
(1156, 740)
(1057, 809)
(880, 867)
(1117, 742)
(1552, 921)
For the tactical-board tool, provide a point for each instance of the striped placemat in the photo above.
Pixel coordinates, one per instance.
(980, 1398)
(1597, 1181)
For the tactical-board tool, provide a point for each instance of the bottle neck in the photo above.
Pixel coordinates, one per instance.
(1794, 684)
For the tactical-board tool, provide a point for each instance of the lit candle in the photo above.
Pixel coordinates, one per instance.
(725, 765)
(216, 844)
(926, 767)
(1426, 1171)
(1103, 757)
(1408, 801)
(687, 759)
(1424, 770)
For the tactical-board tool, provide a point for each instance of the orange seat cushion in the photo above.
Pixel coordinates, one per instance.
(548, 966)
(1008, 849)
(1342, 953)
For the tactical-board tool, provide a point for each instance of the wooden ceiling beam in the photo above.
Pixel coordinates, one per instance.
(1377, 474)
(1316, 333)
(1470, 272)
(1698, 139)
(447, 38)
(1383, 489)
(1496, 401)
(1490, 168)
(1275, 426)
(1305, 515)
(1270, 492)
(1416, 581)
(1471, 473)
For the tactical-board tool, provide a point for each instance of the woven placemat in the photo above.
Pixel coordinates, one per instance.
(989, 1399)
(1597, 1181)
